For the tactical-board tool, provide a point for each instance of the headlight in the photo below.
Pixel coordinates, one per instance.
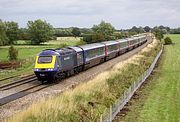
(50, 69)
(36, 69)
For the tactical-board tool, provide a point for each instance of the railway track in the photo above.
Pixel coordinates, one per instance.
(22, 93)
(22, 81)
(11, 77)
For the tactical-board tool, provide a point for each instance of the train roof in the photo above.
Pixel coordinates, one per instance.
(129, 39)
(92, 46)
(63, 51)
(122, 40)
(48, 52)
(77, 49)
(137, 37)
(110, 42)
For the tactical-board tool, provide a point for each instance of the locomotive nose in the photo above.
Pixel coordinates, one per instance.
(45, 62)
(45, 67)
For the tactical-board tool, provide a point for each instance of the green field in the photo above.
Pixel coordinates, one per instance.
(23, 51)
(159, 99)
(26, 51)
(70, 41)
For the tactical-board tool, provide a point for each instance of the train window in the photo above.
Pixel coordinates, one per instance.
(94, 52)
(123, 44)
(44, 59)
(112, 48)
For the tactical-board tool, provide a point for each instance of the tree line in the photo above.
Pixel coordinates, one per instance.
(40, 31)
(37, 31)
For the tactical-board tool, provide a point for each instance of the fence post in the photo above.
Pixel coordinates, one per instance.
(134, 85)
(110, 112)
(101, 118)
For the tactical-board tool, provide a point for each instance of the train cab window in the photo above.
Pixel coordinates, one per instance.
(44, 59)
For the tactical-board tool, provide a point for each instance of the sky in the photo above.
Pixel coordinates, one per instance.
(121, 14)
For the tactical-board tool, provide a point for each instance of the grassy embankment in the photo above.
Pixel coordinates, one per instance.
(89, 100)
(159, 99)
(28, 53)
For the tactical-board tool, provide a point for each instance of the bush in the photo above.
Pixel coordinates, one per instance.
(98, 38)
(81, 42)
(63, 45)
(167, 41)
(87, 38)
(13, 53)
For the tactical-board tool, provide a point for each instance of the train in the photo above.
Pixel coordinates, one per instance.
(55, 64)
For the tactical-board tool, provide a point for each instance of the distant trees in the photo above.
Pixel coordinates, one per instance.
(76, 31)
(136, 30)
(40, 31)
(175, 31)
(3, 37)
(103, 29)
(8, 32)
(62, 32)
(101, 32)
(12, 29)
(147, 29)
(158, 33)
(23, 34)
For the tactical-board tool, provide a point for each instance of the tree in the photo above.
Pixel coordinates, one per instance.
(12, 29)
(158, 33)
(23, 34)
(147, 29)
(87, 38)
(167, 41)
(3, 37)
(141, 29)
(13, 53)
(40, 31)
(98, 37)
(134, 29)
(76, 32)
(104, 29)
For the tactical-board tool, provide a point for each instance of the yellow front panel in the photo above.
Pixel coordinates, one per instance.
(45, 65)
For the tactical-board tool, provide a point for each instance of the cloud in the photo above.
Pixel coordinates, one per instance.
(85, 13)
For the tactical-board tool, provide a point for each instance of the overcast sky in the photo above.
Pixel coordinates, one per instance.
(86, 13)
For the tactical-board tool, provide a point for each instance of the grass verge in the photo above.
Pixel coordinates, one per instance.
(89, 100)
(159, 99)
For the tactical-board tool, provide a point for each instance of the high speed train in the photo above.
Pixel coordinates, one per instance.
(53, 64)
